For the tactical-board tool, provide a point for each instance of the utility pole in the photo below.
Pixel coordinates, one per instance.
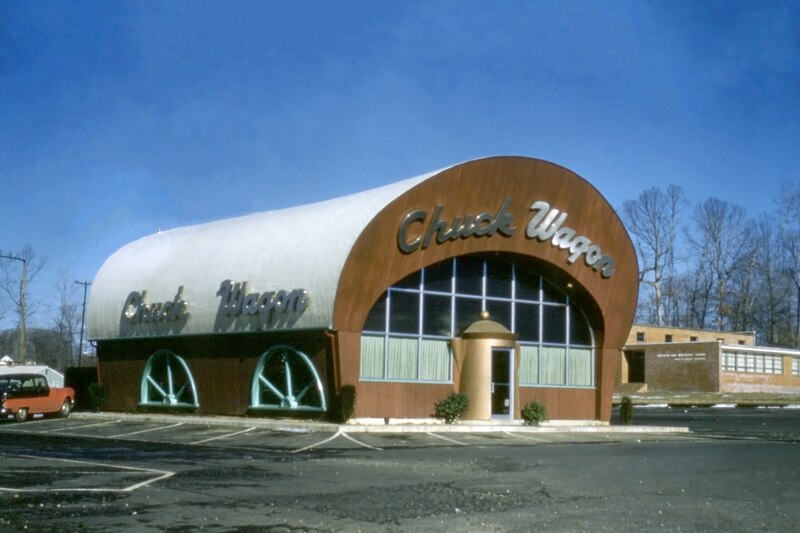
(22, 291)
(83, 318)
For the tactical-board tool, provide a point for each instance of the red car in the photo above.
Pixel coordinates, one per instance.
(24, 395)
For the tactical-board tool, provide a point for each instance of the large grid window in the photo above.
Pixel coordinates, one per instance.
(406, 335)
(752, 363)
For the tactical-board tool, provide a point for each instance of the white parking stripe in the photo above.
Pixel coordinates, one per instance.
(304, 448)
(223, 436)
(526, 437)
(145, 431)
(70, 428)
(454, 441)
(348, 437)
(162, 474)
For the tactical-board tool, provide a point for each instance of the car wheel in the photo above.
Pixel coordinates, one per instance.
(22, 415)
(66, 409)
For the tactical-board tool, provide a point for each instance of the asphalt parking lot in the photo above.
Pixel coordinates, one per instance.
(736, 470)
(289, 437)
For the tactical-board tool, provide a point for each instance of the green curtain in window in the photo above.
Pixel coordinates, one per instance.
(372, 357)
(554, 364)
(435, 364)
(402, 358)
(529, 365)
(580, 367)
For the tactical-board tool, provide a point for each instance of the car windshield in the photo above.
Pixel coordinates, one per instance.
(9, 384)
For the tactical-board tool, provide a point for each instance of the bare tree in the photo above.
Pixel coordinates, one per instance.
(739, 273)
(14, 284)
(771, 302)
(653, 220)
(720, 235)
(4, 307)
(789, 216)
(700, 285)
(67, 317)
(745, 284)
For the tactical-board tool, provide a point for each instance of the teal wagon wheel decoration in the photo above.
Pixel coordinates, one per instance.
(286, 379)
(167, 381)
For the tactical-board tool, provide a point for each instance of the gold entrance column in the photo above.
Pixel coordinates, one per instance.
(473, 355)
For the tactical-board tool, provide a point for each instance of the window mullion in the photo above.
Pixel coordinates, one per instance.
(484, 269)
(513, 319)
(568, 337)
(541, 333)
(420, 329)
(453, 274)
(386, 334)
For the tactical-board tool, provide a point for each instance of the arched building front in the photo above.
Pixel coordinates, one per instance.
(509, 278)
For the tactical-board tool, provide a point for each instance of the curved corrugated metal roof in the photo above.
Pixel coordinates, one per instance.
(297, 248)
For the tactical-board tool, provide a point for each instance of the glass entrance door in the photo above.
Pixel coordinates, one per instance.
(502, 382)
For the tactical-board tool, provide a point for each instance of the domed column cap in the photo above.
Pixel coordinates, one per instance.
(488, 329)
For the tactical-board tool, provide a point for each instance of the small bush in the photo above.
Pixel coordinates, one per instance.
(626, 410)
(534, 413)
(452, 407)
(97, 396)
(344, 404)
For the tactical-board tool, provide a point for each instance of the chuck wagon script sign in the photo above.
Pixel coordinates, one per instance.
(265, 310)
(239, 306)
(418, 230)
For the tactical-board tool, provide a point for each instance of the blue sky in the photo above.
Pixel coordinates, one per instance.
(119, 118)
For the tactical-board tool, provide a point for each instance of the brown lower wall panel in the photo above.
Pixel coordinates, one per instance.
(222, 367)
(398, 400)
(349, 347)
(415, 400)
(606, 371)
(223, 384)
(122, 391)
(562, 404)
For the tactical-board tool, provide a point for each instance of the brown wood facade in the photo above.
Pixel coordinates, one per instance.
(222, 366)
(376, 262)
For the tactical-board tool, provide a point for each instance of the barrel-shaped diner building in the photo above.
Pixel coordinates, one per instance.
(510, 279)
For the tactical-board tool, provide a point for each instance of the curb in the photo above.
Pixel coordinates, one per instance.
(289, 425)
